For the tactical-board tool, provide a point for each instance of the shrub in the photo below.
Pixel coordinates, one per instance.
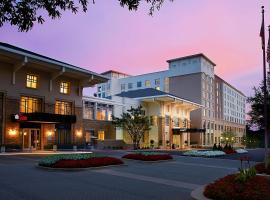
(215, 147)
(256, 188)
(52, 159)
(261, 168)
(91, 162)
(148, 156)
(245, 174)
(229, 151)
(219, 147)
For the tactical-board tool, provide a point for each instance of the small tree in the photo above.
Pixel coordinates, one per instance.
(228, 138)
(135, 123)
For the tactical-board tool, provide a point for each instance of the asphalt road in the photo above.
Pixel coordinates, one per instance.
(20, 179)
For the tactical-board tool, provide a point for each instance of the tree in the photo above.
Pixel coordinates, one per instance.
(256, 113)
(24, 13)
(228, 138)
(135, 123)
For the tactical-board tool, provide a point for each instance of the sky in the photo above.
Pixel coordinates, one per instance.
(111, 37)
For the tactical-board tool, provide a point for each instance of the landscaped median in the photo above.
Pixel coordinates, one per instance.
(252, 183)
(212, 153)
(148, 156)
(77, 161)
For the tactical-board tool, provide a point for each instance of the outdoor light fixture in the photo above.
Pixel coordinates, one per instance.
(79, 133)
(12, 132)
(49, 133)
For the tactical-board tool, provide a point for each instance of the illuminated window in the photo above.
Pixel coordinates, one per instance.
(63, 108)
(64, 87)
(31, 81)
(101, 135)
(30, 105)
(147, 83)
(101, 112)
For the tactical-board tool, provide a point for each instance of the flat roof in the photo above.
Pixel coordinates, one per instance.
(216, 76)
(192, 56)
(20, 51)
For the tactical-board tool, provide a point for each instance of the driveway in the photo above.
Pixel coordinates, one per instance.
(20, 179)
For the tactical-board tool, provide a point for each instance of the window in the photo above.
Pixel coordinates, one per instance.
(130, 85)
(99, 88)
(65, 87)
(167, 120)
(123, 87)
(147, 83)
(153, 120)
(157, 81)
(101, 112)
(101, 135)
(30, 105)
(139, 84)
(166, 84)
(31, 81)
(88, 112)
(63, 108)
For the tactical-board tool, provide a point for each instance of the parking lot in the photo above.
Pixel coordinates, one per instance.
(20, 179)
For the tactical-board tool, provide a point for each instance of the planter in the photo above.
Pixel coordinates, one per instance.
(148, 157)
(228, 188)
(74, 161)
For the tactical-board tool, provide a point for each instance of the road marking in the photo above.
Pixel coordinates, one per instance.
(162, 181)
(204, 165)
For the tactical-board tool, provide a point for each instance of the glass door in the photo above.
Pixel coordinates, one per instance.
(31, 139)
(35, 139)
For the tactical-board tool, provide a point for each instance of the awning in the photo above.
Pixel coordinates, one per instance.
(43, 118)
(177, 131)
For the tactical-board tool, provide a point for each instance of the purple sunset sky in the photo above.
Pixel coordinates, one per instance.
(111, 37)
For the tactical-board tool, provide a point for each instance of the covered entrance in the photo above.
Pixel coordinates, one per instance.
(31, 139)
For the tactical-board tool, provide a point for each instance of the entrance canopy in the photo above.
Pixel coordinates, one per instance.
(178, 131)
(44, 118)
(151, 95)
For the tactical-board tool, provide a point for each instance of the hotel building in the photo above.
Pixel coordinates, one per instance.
(41, 100)
(169, 117)
(192, 78)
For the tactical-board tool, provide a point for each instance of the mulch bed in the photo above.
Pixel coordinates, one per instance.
(91, 162)
(256, 188)
(260, 168)
(138, 156)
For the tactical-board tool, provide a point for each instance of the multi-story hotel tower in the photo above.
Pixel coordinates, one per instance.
(192, 78)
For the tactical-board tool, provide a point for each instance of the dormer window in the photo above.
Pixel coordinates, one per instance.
(65, 87)
(31, 81)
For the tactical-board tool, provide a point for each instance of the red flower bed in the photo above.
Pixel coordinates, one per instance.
(256, 188)
(229, 151)
(91, 162)
(260, 168)
(138, 156)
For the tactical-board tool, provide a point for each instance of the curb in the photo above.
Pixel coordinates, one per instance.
(78, 169)
(197, 194)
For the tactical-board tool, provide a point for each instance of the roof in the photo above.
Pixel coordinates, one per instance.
(17, 50)
(192, 56)
(216, 76)
(114, 71)
(151, 93)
